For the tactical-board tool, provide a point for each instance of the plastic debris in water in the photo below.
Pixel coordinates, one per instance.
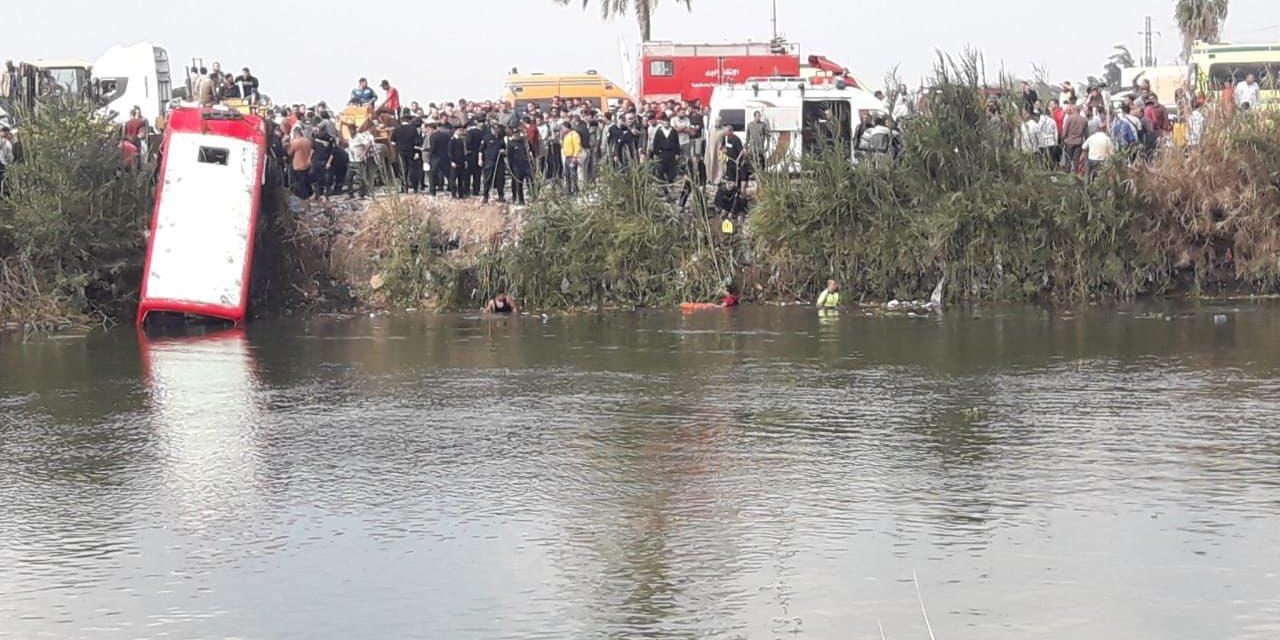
(1220, 319)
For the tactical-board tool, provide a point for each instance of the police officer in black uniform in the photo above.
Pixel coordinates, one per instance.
(519, 157)
(321, 152)
(493, 157)
(459, 178)
(439, 144)
(408, 142)
(475, 138)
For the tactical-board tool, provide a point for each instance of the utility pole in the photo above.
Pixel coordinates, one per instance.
(1148, 58)
(775, 20)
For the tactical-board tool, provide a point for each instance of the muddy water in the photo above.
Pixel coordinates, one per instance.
(756, 474)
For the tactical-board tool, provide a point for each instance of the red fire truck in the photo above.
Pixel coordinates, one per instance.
(686, 72)
(678, 71)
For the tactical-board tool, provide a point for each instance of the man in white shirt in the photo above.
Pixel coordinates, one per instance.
(361, 149)
(1248, 93)
(1048, 145)
(1195, 124)
(1098, 149)
(683, 128)
(1029, 133)
(902, 107)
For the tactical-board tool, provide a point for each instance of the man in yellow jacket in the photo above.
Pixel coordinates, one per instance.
(571, 150)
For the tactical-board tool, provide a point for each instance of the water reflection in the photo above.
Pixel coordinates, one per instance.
(204, 391)
(756, 473)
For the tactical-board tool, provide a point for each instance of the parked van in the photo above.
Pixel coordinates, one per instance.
(541, 88)
(799, 114)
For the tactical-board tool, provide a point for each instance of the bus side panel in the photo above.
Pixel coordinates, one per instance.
(199, 256)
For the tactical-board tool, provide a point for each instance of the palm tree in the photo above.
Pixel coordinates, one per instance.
(1120, 59)
(610, 9)
(1199, 20)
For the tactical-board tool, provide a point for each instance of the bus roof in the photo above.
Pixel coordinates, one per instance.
(1225, 47)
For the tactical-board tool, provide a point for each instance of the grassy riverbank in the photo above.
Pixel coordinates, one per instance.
(961, 204)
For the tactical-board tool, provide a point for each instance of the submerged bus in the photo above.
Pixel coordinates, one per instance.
(202, 231)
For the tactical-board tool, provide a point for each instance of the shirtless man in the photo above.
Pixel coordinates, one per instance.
(300, 162)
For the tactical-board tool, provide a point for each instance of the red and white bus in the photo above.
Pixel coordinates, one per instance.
(200, 252)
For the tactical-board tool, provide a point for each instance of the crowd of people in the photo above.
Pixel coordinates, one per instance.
(481, 149)
(1079, 135)
(210, 86)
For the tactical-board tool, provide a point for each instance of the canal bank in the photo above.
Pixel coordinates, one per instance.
(960, 203)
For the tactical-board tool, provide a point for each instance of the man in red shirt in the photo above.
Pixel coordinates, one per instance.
(391, 105)
(531, 134)
(1158, 115)
(134, 127)
(1058, 114)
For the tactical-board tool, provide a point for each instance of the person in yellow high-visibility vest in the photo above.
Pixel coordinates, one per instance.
(571, 151)
(830, 297)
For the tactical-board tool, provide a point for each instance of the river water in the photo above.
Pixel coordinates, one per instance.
(759, 473)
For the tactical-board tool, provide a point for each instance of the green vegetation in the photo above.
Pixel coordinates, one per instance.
(72, 225)
(625, 246)
(960, 203)
(964, 204)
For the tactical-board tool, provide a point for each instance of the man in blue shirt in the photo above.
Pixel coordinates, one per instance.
(363, 95)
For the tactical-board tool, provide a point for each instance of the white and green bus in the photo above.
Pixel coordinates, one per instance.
(1215, 67)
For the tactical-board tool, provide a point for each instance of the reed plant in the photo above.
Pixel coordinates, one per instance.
(959, 202)
(623, 244)
(72, 221)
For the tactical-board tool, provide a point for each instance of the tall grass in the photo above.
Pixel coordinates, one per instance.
(624, 245)
(1215, 211)
(961, 203)
(72, 223)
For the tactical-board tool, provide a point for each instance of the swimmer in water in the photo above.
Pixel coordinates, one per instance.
(730, 297)
(830, 297)
(502, 304)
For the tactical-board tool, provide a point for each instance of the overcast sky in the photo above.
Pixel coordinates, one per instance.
(432, 50)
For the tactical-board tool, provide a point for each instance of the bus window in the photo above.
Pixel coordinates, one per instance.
(1229, 74)
(662, 68)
